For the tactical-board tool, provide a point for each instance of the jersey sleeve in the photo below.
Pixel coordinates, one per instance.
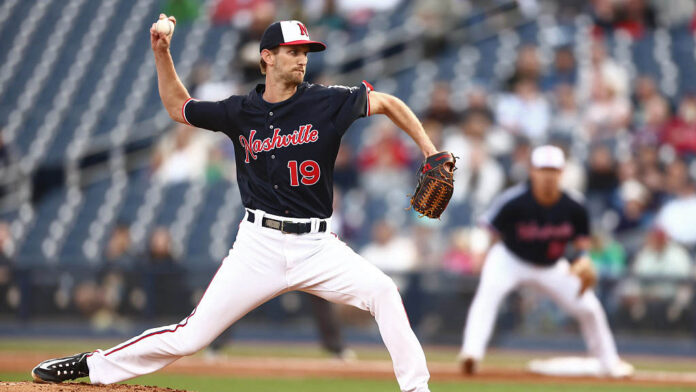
(496, 216)
(353, 103)
(211, 115)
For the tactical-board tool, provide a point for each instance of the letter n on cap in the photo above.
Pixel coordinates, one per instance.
(303, 29)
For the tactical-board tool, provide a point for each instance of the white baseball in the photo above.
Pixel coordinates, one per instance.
(164, 26)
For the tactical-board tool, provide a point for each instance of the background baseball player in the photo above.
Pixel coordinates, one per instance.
(534, 222)
(286, 135)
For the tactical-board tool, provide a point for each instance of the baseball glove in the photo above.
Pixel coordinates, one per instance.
(585, 271)
(435, 185)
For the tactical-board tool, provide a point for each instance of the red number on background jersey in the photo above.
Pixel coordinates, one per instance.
(308, 169)
(555, 249)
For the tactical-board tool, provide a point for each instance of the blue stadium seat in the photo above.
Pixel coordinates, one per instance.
(94, 196)
(30, 251)
(200, 238)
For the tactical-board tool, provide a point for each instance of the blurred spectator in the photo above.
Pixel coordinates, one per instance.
(519, 162)
(602, 177)
(676, 179)
(160, 250)
(359, 12)
(608, 256)
(119, 245)
(608, 112)
(499, 142)
(677, 216)
(390, 252)
(662, 258)
(330, 18)
(673, 13)
(345, 172)
(651, 176)
(564, 71)
(477, 101)
(216, 167)
(239, 12)
(630, 16)
(252, 18)
(6, 242)
(384, 161)
(680, 132)
(660, 265)
(567, 120)
(181, 155)
(4, 153)
(479, 177)
(462, 257)
(525, 111)
(633, 201)
(645, 89)
(6, 278)
(7, 156)
(527, 66)
(434, 131)
(652, 122)
(440, 109)
(205, 89)
(437, 18)
(164, 283)
(427, 241)
(601, 70)
(185, 11)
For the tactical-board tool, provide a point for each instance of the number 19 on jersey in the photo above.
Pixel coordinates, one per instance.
(308, 169)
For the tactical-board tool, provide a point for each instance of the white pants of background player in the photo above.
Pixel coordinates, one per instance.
(503, 272)
(262, 264)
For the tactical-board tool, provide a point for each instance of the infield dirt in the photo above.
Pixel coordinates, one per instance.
(320, 368)
(33, 387)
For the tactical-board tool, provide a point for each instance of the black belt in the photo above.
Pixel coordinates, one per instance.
(287, 227)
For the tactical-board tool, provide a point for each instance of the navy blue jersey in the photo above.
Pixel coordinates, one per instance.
(285, 151)
(535, 233)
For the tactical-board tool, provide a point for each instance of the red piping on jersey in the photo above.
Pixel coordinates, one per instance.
(183, 111)
(182, 324)
(153, 334)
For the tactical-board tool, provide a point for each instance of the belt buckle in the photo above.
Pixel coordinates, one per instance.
(282, 228)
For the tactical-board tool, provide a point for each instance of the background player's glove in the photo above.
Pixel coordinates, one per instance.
(435, 185)
(584, 270)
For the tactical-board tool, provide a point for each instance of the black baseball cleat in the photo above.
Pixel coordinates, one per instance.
(61, 369)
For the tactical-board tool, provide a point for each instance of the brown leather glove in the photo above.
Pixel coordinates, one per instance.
(435, 185)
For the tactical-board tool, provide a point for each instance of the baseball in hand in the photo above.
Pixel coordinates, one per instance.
(164, 26)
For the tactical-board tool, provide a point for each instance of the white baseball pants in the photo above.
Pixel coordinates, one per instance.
(503, 272)
(262, 264)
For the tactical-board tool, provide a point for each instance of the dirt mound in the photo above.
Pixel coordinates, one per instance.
(68, 387)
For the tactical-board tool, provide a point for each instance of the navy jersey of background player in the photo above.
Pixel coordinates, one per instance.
(285, 151)
(535, 233)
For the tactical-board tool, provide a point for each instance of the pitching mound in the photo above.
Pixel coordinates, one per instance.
(68, 387)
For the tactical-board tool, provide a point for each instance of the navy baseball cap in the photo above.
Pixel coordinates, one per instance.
(288, 32)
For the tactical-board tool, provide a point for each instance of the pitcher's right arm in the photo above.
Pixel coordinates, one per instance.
(171, 90)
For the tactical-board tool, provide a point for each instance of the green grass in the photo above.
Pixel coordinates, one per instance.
(233, 384)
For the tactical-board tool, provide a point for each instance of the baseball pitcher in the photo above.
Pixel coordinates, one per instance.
(286, 135)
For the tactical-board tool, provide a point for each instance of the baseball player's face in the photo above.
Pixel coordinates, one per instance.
(291, 63)
(546, 182)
